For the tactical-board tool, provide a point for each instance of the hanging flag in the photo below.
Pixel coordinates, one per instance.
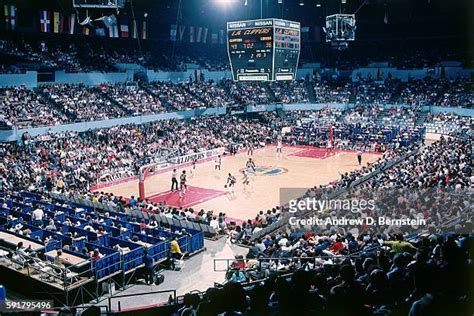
(182, 28)
(85, 30)
(124, 29)
(62, 23)
(134, 29)
(173, 31)
(222, 37)
(144, 31)
(204, 35)
(45, 22)
(191, 34)
(72, 23)
(10, 17)
(113, 31)
(100, 32)
(56, 22)
(385, 18)
(214, 37)
(198, 35)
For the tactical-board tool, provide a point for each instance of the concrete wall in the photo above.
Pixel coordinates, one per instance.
(28, 79)
(93, 78)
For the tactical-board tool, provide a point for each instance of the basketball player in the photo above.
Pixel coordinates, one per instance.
(245, 180)
(230, 183)
(250, 149)
(279, 146)
(328, 147)
(174, 180)
(250, 166)
(182, 183)
(359, 157)
(217, 163)
(193, 169)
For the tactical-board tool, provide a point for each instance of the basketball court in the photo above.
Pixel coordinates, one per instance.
(297, 167)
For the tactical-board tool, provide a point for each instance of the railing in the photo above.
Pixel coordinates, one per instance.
(119, 305)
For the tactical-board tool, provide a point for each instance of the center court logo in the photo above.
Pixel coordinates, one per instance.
(268, 170)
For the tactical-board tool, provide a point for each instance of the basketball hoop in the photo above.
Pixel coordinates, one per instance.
(146, 171)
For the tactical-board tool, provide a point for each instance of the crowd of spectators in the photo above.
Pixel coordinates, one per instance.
(134, 98)
(191, 95)
(22, 107)
(82, 159)
(83, 103)
(348, 130)
(401, 115)
(289, 92)
(247, 93)
(333, 92)
(428, 91)
(82, 56)
(384, 275)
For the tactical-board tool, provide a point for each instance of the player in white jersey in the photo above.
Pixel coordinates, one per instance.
(217, 163)
(279, 146)
(193, 167)
(245, 180)
(250, 149)
(250, 166)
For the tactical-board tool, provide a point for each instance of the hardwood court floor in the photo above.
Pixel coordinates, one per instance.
(296, 168)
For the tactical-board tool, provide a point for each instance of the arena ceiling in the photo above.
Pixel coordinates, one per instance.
(405, 17)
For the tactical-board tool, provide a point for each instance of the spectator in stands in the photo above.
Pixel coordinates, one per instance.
(238, 276)
(59, 261)
(37, 216)
(176, 253)
(149, 267)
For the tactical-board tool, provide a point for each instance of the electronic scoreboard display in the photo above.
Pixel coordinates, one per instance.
(263, 50)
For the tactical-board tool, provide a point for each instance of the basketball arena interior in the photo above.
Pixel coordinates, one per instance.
(236, 157)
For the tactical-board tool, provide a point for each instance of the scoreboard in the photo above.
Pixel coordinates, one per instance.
(263, 50)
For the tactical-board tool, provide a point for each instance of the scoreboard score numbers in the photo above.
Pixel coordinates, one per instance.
(263, 50)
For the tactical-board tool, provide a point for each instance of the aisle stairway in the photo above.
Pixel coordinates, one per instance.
(310, 91)
(49, 101)
(115, 102)
(421, 118)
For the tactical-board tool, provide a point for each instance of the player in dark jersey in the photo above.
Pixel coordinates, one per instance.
(182, 183)
(359, 157)
(230, 183)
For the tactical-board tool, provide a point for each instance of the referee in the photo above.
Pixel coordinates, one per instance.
(359, 157)
(174, 180)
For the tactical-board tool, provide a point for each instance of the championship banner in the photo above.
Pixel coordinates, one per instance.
(197, 156)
